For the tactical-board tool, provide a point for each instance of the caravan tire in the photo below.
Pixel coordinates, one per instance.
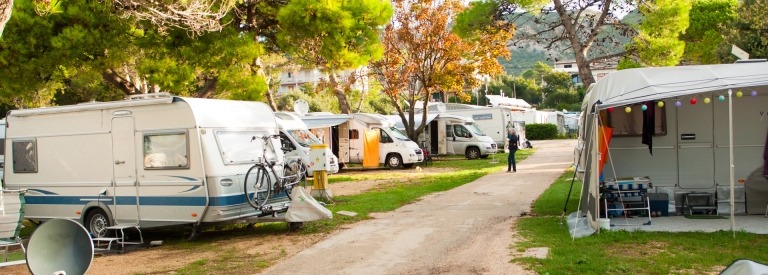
(97, 222)
(472, 153)
(394, 161)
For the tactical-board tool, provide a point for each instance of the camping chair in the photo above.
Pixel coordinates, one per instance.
(11, 218)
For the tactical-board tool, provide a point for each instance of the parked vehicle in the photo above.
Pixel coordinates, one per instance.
(452, 135)
(370, 139)
(296, 139)
(493, 121)
(153, 160)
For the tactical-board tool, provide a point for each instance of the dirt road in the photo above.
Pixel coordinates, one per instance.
(466, 230)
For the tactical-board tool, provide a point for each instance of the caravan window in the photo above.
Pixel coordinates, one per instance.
(461, 131)
(303, 137)
(246, 146)
(166, 150)
(354, 134)
(473, 128)
(24, 156)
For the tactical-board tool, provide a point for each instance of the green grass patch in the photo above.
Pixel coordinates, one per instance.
(624, 252)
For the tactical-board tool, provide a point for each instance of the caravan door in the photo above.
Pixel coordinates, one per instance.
(449, 137)
(695, 153)
(126, 199)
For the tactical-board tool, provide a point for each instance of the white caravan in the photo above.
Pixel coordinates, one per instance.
(296, 138)
(493, 121)
(155, 160)
(352, 138)
(452, 135)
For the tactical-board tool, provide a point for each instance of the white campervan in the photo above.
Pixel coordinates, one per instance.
(153, 160)
(296, 140)
(452, 135)
(493, 121)
(351, 136)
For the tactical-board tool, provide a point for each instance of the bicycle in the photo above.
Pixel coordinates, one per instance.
(258, 186)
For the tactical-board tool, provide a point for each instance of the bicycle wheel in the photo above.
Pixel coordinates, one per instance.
(293, 173)
(257, 186)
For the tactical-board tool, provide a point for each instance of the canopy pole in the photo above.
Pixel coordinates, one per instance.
(730, 159)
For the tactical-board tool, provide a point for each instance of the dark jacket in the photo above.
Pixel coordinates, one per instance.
(514, 141)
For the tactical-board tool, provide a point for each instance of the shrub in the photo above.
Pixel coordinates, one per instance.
(540, 131)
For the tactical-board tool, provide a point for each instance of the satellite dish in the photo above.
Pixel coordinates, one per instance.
(440, 107)
(301, 107)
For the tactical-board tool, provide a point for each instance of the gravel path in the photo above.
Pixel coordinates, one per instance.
(466, 230)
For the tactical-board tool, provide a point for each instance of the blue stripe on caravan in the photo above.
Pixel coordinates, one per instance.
(130, 200)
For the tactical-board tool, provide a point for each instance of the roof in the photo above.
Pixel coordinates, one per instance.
(497, 100)
(645, 84)
(324, 120)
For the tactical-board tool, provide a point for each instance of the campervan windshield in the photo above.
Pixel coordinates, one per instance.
(243, 146)
(397, 134)
(473, 128)
(303, 137)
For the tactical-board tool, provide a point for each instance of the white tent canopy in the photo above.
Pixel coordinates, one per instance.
(645, 84)
(633, 86)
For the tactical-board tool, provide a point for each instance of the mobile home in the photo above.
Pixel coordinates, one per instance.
(296, 139)
(493, 121)
(370, 139)
(155, 160)
(690, 130)
(452, 135)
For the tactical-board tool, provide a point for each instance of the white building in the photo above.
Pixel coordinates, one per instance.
(292, 81)
(599, 68)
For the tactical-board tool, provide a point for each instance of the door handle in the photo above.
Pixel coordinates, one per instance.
(119, 162)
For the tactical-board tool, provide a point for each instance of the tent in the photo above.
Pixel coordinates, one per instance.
(691, 146)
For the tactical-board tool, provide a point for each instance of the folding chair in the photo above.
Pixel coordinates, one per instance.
(11, 218)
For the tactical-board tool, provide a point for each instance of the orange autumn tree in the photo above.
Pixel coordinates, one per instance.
(423, 56)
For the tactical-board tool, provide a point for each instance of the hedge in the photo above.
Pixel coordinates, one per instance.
(540, 131)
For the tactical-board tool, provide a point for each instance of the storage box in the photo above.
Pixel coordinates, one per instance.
(659, 203)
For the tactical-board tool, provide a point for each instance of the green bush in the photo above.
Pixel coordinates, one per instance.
(540, 131)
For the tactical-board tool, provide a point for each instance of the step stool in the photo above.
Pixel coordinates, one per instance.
(119, 238)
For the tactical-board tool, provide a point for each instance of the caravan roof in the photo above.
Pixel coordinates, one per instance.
(325, 120)
(430, 117)
(289, 121)
(644, 84)
(207, 112)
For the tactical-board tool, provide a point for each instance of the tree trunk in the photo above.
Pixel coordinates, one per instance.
(339, 92)
(6, 6)
(271, 101)
(579, 48)
(208, 89)
(118, 81)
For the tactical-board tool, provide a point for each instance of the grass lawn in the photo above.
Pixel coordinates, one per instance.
(624, 252)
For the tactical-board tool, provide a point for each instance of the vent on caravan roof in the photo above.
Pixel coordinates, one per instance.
(150, 95)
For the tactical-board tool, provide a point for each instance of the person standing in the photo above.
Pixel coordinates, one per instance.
(514, 141)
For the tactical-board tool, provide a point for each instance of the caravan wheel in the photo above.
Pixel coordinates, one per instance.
(472, 153)
(394, 161)
(97, 223)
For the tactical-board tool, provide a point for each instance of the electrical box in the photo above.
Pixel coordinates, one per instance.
(318, 158)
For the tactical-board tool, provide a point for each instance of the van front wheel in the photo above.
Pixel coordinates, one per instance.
(97, 223)
(394, 161)
(473, 153)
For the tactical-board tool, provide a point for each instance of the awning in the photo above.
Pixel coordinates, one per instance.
(324, 121)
